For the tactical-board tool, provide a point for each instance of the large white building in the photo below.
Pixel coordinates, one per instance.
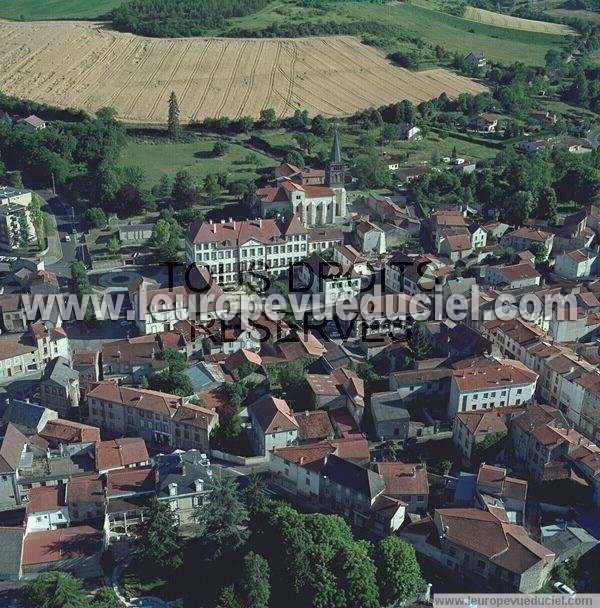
(314, 204)
(160, 309)
(231, 249)
(490, 384)
(16, 226)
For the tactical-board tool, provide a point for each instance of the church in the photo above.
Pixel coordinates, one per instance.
(316, 196)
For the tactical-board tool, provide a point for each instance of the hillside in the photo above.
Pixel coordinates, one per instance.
(393, 26)
(82, 65)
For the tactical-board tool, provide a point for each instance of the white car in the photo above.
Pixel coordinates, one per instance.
(67, 238)
(562, 588)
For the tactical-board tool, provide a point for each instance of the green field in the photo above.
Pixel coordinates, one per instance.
(160, 157)
(419, 19)
(33, 10)
(406, 152)
(425, 22)
(457, 34)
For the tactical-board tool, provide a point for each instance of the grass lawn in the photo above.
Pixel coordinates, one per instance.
(159, 157)
(458, 34)
(403, 150)
(453, 33)
(34, 10)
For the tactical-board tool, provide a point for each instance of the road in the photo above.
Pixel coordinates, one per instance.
(593, 137)
(66, 222)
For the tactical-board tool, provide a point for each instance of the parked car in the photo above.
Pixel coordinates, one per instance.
(562, 588)
(67, 238)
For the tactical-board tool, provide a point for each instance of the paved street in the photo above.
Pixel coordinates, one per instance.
(593, 137)
(61, 253)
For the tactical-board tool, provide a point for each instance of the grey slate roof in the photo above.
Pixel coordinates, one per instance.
(11, 541)
(350, 475)
(568, 541)
(27, 417)
(59, 371)
(182, 469)
(388, 406)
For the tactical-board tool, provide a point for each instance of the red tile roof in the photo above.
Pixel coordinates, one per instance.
(11, 448)
(311, 457)
(313, 425)
(533, 234)
(507, 372)
(120, 453)
(403, 479)
(130, 481)
(67, 431)
(322, 385)
(504, 544)
(45, 498)
(518, 272)
(242, 356)
(56, 545)
(273, 415)
(236, 233)
(86, 489)
(154, 401)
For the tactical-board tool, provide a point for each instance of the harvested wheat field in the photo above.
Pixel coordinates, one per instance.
(516, 23)
(83, 65)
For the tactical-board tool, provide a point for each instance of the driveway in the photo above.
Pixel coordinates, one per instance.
(593, 137)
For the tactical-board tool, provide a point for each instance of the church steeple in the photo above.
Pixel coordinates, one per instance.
(336, 155)
(336, 171)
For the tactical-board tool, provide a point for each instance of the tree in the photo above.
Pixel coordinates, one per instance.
(398, 572)
(519, 208)
(486, 449)
(15, 180)
(220, 148)
(540, 251)
(161, 233)
(268, 117)
(164, 188)
(173, 126)
(175, 359)
(553, 59)
(228, 598)
(175, 383)
(212, 186)
(371, 172)
(454, 153)
(159, 545)
(547, 207)
(56, 590)
(293, 157)
(355, 572)
(113, 246)
(106, 597)
(221, 521)
(255, 589)
(184, 190)
(96, 218)
(319, 125)
(419, 344)
(389, 133)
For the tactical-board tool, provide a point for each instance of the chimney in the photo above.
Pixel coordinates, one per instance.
(199, 485)
(172, 489)
(118, 354)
